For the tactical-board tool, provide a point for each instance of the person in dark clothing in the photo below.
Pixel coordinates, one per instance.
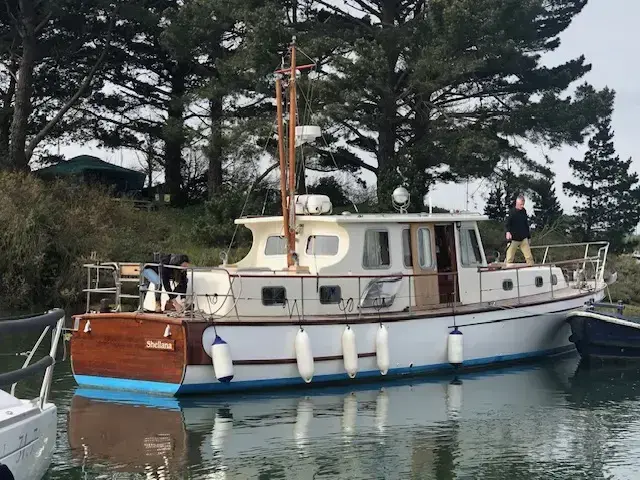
(163, 275)
(518, 232)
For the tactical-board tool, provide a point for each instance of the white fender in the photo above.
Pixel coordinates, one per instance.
(164, 298)
(349, 351)
(454, 399)
(382, 349)
(149, 303)
(349, 414)
(454, 347)
(222, 428)
(222, 361)
(304, 415)
(382, 410)
(304, 356)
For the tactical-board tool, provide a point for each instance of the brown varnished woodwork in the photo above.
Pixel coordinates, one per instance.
(127, 436)
(115, 347)
(195, 352)
(426, 288)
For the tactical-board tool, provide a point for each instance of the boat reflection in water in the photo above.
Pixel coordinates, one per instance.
(514, 423)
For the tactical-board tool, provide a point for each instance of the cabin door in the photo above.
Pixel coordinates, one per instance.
(447, 264)
(425, 267)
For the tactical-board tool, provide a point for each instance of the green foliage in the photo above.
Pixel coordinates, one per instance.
(627, 288)
(496, 208)
(435, 84)
(547, 210)
(608, 194)
(51, 229)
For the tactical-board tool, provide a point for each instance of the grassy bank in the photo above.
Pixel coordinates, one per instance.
(50, 229)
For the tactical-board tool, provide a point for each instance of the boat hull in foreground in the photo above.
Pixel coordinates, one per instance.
(27, 438)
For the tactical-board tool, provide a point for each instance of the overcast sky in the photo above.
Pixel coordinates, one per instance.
(607, 33)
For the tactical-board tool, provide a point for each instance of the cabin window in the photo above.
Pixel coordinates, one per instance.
(274, 296)
(330, 294)
(380, 292)
(507, 284)
(425, 258)
(322, 245)
(406, 248)
(539, 281)
(376, 249)
(276, 245)
(469, 248)
(554, 279)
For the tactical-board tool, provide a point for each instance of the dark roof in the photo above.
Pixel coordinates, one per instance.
(93, 166)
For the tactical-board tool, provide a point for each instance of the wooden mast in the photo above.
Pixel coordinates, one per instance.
(283, 171)
(291, 232)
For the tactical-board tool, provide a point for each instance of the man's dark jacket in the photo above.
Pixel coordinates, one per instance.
(518, 224)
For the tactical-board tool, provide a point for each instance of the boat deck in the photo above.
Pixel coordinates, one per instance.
(445, 310)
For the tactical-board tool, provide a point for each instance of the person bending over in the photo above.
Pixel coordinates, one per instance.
(518, 232)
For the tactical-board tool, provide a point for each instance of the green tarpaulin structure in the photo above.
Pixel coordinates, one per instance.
(90, 169)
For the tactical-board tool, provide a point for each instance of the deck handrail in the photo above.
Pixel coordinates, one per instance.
(52, 319)
(237, 275)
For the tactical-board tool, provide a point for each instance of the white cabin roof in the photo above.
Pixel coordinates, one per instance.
(373, 218)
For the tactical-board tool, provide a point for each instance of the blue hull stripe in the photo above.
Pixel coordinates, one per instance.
(161, 388)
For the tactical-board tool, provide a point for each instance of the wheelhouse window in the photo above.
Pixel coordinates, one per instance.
(330, 294)
(469, 248)
(274, 296)
(406, 248)
(325, 245)
(425, 257)
(376, 249)
(380, 292)
(276, 245)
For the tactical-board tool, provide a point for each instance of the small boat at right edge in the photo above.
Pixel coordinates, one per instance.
(602, 331)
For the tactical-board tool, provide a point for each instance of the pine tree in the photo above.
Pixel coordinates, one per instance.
(547, 210)
(496, 208)
(436, 90)
(608, 194)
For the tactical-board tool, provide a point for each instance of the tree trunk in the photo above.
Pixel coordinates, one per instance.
(24, 82)
(6, 115)
(214, 149)
(388, 177)
(174, 136)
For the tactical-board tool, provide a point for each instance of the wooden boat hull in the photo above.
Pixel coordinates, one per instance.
(115, 352)
(604, 336)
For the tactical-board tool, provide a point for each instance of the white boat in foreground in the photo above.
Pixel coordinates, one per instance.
(323, 298)
(28, 426)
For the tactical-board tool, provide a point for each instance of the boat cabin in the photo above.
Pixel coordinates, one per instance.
(375, 263)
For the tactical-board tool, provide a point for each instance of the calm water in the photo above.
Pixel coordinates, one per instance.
(551, 420)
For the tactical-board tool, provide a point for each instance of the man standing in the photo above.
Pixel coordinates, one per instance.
(518, 232)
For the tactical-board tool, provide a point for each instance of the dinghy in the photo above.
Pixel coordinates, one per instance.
(603, 331)
(28, 426)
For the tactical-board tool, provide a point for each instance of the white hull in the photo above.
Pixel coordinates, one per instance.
(415, 346)
(27, 439)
